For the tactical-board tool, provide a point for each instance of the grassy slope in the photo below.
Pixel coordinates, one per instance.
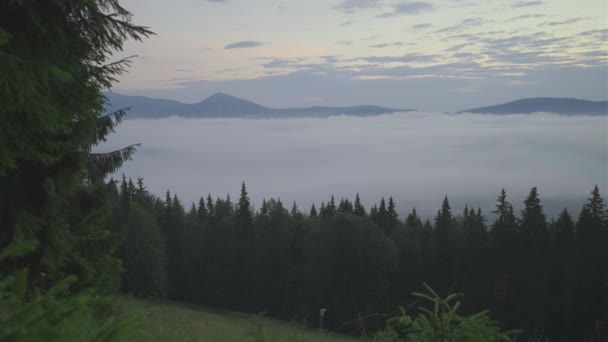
(170, 321)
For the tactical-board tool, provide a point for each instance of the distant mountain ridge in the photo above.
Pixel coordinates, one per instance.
(564, 106)
(222, 105)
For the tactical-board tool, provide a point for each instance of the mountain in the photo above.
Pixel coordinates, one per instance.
(565, 106)
(223, 105)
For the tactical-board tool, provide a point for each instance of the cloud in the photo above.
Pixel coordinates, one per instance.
(346, 23)
(243, 44)
(405, 8)
(422, 26)
(370, 38)
(526, 16)
(464, 24)
(396, 155)
(457, 47)
(344, 42)
(563, 22)
(351, 6)
(465, 5)
(219, 1)
(521, 4)
(465, 55)
(184, 70)
(387, 45)
(408, 58)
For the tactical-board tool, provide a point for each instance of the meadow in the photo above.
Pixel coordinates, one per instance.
(161, 320)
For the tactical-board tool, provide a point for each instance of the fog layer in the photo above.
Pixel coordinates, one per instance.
(415, 157)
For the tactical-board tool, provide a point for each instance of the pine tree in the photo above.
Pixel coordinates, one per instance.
(331, 207)
(323, 211)
(392, 216)
(504, 211)
(596, 207)
(264, 208)
(192, 212)
(534, 223)
(244, 250)
(564, 229)
(345, 206)
(202, 209)
(592, 268)
(359, 210)
(210, 207)
(413, 220)
(294, 209)
(54, 65)
(443, 220)
(243, 212)
(445, 241)
(313, 211)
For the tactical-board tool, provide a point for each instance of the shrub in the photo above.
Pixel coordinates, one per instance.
(442, 323)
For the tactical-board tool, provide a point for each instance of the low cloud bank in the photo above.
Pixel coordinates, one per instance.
(415, 157)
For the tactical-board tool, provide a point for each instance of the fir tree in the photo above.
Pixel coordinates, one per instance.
(210, 207)
(313, 211)
(359, 210)
(534, 223)
(443, 220)
(264, 208)
(413, 220)
(202, 209)
(345, 206)
(243, 212)
(294, 209)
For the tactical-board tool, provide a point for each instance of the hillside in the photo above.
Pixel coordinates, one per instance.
(565, 106)
(222, 105)
(172, 321)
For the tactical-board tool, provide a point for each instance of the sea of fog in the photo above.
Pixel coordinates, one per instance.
(417, 158)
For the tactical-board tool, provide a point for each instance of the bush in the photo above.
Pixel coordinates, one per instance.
(56, 315)
(442, 323)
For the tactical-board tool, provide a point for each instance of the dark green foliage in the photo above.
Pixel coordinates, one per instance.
(442, 322)
(546, 279)
(55, 314)
(413, 220)
(359, 209)
(53, 68)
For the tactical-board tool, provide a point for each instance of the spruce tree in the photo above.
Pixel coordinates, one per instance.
(392, 216)
(443, 219)
(313, 211)
(210, 207)
(564, 228)
(243, 212)
(413, 220)
(345, 206)
(359, 210)
(294, 209)
(244, 250)
(534, 223)
(202, 209)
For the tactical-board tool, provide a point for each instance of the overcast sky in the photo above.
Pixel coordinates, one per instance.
(437, 55)
(418, 158)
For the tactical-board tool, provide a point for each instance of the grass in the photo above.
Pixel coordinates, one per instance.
(171, 321)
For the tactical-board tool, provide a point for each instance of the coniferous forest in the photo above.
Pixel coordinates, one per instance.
(545, 277)
(71, 237)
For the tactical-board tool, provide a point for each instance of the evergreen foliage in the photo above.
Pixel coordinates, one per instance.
(543, 278)
(53, 66)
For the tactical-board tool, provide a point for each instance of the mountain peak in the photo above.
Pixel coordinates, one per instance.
(220, 95)
(565, 106)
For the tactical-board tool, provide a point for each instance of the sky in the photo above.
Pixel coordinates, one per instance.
(432, 55)
(418, 158)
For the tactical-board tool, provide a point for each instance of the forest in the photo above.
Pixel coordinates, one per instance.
(72, 238)
(544, 277)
